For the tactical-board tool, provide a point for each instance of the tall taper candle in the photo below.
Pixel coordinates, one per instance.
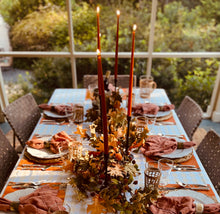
(103, 103)
(116, 49)
(131, 73)
(98, 29)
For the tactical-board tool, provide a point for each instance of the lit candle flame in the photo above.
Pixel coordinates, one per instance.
(118, 12)
(97, 9)
(134, 27)
(98, 52)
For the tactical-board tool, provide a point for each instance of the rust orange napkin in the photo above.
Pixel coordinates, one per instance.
(59, 109)
(183, 205)
(59, 140)
(41, 201)
(156, 145)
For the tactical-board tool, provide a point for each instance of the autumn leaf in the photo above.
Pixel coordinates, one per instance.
(100, 145)
(112, 140)
(81, 131)
(96, 207)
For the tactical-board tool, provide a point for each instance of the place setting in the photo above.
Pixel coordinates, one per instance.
(157, 176)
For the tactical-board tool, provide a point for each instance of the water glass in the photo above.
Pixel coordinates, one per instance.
(147, 86)
(152, 175)
(70, 117)
(165, 166)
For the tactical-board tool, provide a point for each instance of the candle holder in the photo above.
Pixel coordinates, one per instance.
(127, 136)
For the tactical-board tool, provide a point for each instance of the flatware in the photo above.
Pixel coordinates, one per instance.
(191, 188)
(173, 135)
(164, 123)
(38, 166)
(186, 169)
(53, 122)
(179, 165)
(188, 185)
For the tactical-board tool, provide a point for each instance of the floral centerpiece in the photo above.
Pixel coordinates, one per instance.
(89, 177)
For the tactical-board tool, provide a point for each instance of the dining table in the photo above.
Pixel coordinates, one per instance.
(53, 174)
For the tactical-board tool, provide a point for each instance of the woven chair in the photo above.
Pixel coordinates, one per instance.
(22, 115)
(122, 80)
(209, 154)
(190, 115)
(8, 159)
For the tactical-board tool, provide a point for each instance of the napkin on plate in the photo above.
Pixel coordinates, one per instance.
(182, 204)
(156, 145)
(167, 107)
(60, 140)
(150, 108)
(59, 109)
(145, 108)
(41, 201)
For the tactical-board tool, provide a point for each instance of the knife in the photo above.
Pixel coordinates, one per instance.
(186, 169)
(191, 188)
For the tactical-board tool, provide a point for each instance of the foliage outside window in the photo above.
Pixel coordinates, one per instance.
(181, 26)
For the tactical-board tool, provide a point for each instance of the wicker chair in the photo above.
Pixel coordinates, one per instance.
(22, 115)
(8, 159)
(190, 115)
(209, 154)
(122, 80)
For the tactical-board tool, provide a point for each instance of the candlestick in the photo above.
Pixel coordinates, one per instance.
(103, 104)
(104, 113)
(131, 73)
(130, 89)
(116, 49)
(98, 29)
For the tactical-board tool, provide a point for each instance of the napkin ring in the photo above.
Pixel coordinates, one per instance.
(180, 145)
(199, 208)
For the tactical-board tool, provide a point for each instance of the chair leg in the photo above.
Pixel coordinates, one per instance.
(14, 139)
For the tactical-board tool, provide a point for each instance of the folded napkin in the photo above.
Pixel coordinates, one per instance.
(183, 205)
(5, 205)
(36, 143)
(150, 108)
(60, 140)
(156, 145)
(41, 201)
(59, 109)
(167, 107)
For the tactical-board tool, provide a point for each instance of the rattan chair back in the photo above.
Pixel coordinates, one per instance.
(190, 115)
(209, 154)
(122, 80)
(23, 115)
(8, 159)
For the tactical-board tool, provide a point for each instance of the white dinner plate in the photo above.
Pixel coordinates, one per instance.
(55, 115)
(178, 153)
(44, 153)
(159, 114)
(197, 196)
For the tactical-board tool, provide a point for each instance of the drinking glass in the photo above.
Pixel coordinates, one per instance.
(147, 86)
(78, 114)
(151, 123)
(70, 117)
(152, 175)
(165, 165)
